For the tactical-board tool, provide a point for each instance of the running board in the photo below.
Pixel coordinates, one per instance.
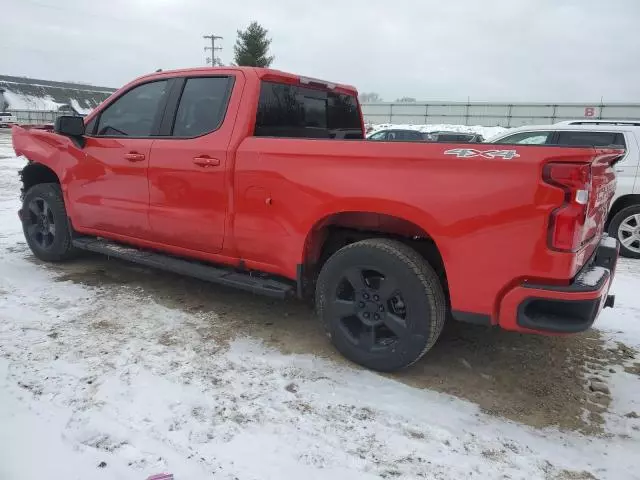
(203, 271)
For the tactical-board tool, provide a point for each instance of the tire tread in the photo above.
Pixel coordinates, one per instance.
(427, 276)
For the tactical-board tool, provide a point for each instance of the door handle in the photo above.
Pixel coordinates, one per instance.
(206, 161)
(134, 156)
(619, 170)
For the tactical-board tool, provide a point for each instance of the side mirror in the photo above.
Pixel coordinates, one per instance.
(69, 125)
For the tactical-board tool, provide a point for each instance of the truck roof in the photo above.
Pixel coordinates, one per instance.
(262, 73)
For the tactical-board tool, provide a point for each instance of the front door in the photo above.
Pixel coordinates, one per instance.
(188, 193)
(109, 189)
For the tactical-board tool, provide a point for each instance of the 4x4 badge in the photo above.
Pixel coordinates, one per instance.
(470, 152)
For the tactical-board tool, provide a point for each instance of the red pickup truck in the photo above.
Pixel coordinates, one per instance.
(262, 180)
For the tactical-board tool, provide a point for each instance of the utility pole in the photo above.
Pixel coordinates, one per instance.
(213, 61)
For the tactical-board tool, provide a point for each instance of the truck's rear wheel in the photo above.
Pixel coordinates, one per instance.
(381, 303)
(625, 226)
(45, 223)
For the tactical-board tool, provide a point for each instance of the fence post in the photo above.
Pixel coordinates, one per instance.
(509, 115)
(391, 113)
(553, 114)
(426, 114)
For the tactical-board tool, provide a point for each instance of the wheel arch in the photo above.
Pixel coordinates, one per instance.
(338, 229)
(621, 203)
(35, 173)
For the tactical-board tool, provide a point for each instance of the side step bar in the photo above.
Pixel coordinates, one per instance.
(203, 271)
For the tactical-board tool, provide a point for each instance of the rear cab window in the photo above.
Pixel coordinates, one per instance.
(301, 112)
(590, 139)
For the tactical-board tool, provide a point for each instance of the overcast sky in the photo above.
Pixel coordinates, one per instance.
(521, 50)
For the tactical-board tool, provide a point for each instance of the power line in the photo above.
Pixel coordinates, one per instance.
(213, 60)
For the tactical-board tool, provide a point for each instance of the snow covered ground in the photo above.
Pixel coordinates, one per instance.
(486, 132)
(103, 378)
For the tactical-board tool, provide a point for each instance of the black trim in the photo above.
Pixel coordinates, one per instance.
(558, 316)
(607, 257)
(470, 317)
(171, 107)
(264, 285)
(571, 316)
(299, 280)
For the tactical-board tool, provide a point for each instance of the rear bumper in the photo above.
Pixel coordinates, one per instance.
(552, 309)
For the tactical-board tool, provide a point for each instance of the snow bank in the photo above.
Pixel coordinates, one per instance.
(19, 101)
(486, 132)
(81, 110)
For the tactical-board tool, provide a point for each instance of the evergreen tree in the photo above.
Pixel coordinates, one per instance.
(252, 47)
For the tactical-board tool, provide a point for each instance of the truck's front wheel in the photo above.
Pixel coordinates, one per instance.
(381, 303)
(45, 223)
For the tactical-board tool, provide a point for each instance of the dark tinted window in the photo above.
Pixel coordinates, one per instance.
(591, 139)
(454, 137)
(292, 111)
(393, 136)
(134, 113)
(202, 106)
(414, 136)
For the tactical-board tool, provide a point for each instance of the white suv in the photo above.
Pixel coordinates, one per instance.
(624, 216)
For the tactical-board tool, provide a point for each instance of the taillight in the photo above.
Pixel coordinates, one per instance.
(567, 223)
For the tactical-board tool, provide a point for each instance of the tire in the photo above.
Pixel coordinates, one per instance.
(381, 304)
(625, 227)
(45, 223)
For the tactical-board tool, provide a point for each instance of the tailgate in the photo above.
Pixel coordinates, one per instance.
(603, 187)
(601, 191)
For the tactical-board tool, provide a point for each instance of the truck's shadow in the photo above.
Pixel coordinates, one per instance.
(536, 380)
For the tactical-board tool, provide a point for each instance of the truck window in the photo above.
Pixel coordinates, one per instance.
(300, 112)
(202, 106)
(134, 114)
(379, 136)
(591, 139)
(414, 136)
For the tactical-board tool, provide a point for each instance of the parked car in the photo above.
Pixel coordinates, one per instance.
(7, 119)
(239, 176)
(623, 221)
(398, 135)
(408, 135)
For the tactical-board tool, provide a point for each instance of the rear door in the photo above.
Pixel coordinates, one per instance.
(109, 189)
(188, 195)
